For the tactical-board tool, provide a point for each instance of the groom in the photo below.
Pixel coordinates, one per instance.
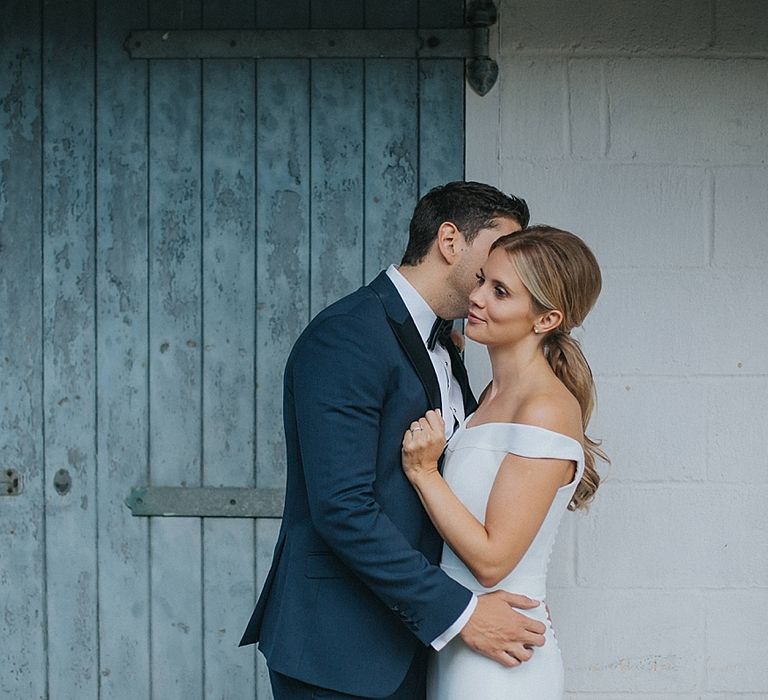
(355, 595)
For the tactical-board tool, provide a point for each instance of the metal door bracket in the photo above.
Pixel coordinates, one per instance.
(212, 502)
(469, 42)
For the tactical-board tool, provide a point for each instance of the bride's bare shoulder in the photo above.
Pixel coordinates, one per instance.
(557, 411)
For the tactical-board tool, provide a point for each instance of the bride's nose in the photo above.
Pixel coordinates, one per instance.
(476, 297)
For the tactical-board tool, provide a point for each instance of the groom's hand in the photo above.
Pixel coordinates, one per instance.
(500, 632)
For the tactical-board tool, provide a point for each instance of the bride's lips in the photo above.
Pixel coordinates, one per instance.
(471, 318)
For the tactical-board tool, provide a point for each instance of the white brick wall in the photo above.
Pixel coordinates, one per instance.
(644, 128)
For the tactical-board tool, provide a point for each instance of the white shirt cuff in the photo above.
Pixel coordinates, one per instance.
(457, 626)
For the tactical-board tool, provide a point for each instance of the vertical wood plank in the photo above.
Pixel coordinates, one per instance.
(121, 283)
(391, 159)
(22, 530)
(69, 348)
(282, 255)
(229, 547)
(282, 236)
(441, 124)
(441, 103)
(441, 13)
(391, 14)
(391, 144)
(175, 358)
(344, 14)
(282, 15)
(337, 164)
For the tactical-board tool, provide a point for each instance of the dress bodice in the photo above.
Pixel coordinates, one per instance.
(472, 460)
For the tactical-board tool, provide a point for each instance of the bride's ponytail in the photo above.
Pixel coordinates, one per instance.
(560, 272)
(569, 364)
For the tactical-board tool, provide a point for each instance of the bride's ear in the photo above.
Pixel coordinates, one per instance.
(449, 242)
(548, 321)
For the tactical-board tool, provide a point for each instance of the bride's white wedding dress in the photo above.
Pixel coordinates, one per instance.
(472, 459)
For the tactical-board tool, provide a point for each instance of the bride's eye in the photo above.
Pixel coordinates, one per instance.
(500, 291)
(480, 280)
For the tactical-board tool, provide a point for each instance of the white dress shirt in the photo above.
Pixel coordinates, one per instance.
(450, 397)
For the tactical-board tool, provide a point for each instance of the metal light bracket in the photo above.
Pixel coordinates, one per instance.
(469, 42)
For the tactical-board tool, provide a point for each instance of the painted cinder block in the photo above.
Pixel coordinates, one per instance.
(653, 429)
(587, 108)
(644, 323)
(533, 100)
(736, 410)
(630, 640)
(670, 536)
(631, 215)
(741, 217)
(676, 111)
(730, 336)
(605, 24)
(736, 641)
(741, 26)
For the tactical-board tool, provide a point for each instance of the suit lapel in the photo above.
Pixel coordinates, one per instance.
(408, 336)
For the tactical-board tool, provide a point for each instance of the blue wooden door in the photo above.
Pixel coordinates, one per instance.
(167, 228)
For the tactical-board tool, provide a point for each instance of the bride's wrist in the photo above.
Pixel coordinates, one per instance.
(420, 478)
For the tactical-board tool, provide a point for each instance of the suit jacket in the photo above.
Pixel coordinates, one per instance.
(354, 586)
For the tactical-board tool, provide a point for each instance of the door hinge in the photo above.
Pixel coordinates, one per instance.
(469, 42)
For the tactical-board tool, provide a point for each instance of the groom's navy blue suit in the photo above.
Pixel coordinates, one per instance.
(354, 590)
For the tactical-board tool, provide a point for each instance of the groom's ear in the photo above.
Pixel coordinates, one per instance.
(449, 242)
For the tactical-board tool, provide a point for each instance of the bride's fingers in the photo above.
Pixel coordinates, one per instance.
(434, 421)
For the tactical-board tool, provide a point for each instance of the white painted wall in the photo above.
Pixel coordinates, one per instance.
(643, 127)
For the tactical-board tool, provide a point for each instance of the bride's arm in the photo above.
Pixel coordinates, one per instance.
(519, 501)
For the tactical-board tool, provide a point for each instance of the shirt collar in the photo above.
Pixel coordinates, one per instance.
(420, 311)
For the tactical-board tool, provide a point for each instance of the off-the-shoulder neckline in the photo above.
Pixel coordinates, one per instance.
(466, 427)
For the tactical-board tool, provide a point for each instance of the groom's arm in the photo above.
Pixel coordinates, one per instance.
(339, 385)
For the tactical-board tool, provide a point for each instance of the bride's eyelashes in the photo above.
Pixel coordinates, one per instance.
(499, 290)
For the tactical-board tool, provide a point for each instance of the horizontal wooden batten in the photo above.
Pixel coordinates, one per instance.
(305, 43)
(211, 502)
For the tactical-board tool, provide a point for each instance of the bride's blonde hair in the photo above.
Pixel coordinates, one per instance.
(560, 272)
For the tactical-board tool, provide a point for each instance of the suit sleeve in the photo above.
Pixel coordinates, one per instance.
(339, 383)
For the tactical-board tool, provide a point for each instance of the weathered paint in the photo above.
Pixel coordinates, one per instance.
(391, 159)
(69, 350)
(175, 349)
(229, 319)
(122, 352)
(22, 528)
(282, 257)
(441, 107)
(337, 157)
(192, 218)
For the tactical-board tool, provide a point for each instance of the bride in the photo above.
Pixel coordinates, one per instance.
(516, 464)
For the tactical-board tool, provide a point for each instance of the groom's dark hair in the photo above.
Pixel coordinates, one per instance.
(470, 206)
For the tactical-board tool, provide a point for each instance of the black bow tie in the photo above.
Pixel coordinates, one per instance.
(440, 333)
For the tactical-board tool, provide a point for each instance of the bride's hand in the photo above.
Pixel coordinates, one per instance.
(422, 446)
